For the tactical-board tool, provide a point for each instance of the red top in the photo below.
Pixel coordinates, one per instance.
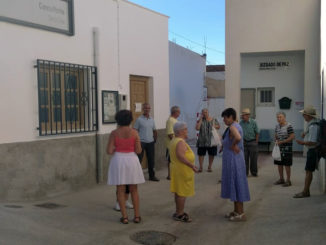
(124, 144)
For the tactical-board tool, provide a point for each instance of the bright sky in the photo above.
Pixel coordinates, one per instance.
(193, 23)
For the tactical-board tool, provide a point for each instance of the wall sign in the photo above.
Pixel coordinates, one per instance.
(273, 65)
(110, 106)
(51, 15)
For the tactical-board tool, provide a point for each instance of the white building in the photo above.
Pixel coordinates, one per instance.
(187, 79)
(215, 83)
(54, 132)
(273, 51)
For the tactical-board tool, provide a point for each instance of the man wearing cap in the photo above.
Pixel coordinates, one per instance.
(310, 141)
(250, 141)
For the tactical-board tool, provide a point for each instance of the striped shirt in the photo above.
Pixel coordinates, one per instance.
(205, 132)
(283, 132)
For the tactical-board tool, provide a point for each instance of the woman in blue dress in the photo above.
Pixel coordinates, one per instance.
(234, 180)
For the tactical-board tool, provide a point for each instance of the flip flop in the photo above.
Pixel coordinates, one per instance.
(183, 218)
(124, 220)
(301, 195)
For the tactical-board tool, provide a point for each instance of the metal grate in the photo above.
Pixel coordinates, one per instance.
(153, 238)
(67, 97)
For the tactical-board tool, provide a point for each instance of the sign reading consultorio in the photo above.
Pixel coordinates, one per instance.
(273, 65)
(51, 15)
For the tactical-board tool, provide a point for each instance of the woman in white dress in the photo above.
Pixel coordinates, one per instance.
(125, 169)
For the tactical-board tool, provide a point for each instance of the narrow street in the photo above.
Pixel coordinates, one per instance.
(87, 217)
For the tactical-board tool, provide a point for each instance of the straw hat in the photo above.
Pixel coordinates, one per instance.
(310, 111)
(245, 111)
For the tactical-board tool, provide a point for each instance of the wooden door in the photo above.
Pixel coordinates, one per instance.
(138, 96)
(248, 100)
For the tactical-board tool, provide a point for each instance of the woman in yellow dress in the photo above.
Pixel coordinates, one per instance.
(182, 170)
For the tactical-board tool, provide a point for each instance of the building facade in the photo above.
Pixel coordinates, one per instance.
(61, 88)
(273, 53)
(187, 79)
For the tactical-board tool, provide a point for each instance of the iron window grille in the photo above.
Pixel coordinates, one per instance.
(67, 98)
(266, 96)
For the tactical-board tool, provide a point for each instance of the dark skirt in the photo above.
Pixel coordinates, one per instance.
(286, 156)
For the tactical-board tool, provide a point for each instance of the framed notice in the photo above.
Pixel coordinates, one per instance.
(110, 106)
(51, 15)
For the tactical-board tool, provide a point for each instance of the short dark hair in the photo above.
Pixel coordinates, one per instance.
(123, 117)
(230, 112)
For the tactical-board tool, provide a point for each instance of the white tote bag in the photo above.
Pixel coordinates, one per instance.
(276, 154)
(216, 139)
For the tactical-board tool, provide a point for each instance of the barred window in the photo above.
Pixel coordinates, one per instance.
(266, 96)
(67, 95)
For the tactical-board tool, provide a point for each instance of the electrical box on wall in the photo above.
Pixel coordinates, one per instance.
(122, 101)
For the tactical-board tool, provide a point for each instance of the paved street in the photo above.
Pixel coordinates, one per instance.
(87, 217)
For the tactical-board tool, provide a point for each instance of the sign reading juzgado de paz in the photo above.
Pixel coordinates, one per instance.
(273, 65)
(51, 15)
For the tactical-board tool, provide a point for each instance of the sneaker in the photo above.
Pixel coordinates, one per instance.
(117, 207)
(129, 205)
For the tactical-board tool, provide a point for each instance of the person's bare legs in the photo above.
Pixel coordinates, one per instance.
(135, 199)
(201, 162)
(280, 171)
(288, 173)
(121, 191)
(179, 204)
(210, 162)
(307, 182)
(238, 207)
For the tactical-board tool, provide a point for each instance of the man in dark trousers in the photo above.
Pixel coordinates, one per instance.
(250, 141)
(145, 126)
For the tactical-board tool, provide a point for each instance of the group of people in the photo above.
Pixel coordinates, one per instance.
(284, 137)
(239, 147)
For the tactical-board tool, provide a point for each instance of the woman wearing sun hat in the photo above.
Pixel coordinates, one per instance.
(310, 140)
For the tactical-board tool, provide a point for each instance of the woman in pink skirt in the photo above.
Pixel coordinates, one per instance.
(125, 169)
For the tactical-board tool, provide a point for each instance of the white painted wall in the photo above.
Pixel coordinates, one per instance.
(132, 40)
(288, 82)
(272, 26)
(217, 75)
(187, 74)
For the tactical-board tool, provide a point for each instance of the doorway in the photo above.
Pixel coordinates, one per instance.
(248, 96)
(138, 96)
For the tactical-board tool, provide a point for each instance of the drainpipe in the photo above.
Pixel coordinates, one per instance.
(98, 145)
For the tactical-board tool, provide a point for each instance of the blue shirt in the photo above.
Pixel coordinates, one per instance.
(145, 127)
(311, 134)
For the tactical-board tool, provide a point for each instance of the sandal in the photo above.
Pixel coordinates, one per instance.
(238, 217)
(229, 215)
(301, 195)
(279, 182)
(183, 218)
(200, 170)
(137, 220)
(287, 184)
(209, 170)
(124, 220)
